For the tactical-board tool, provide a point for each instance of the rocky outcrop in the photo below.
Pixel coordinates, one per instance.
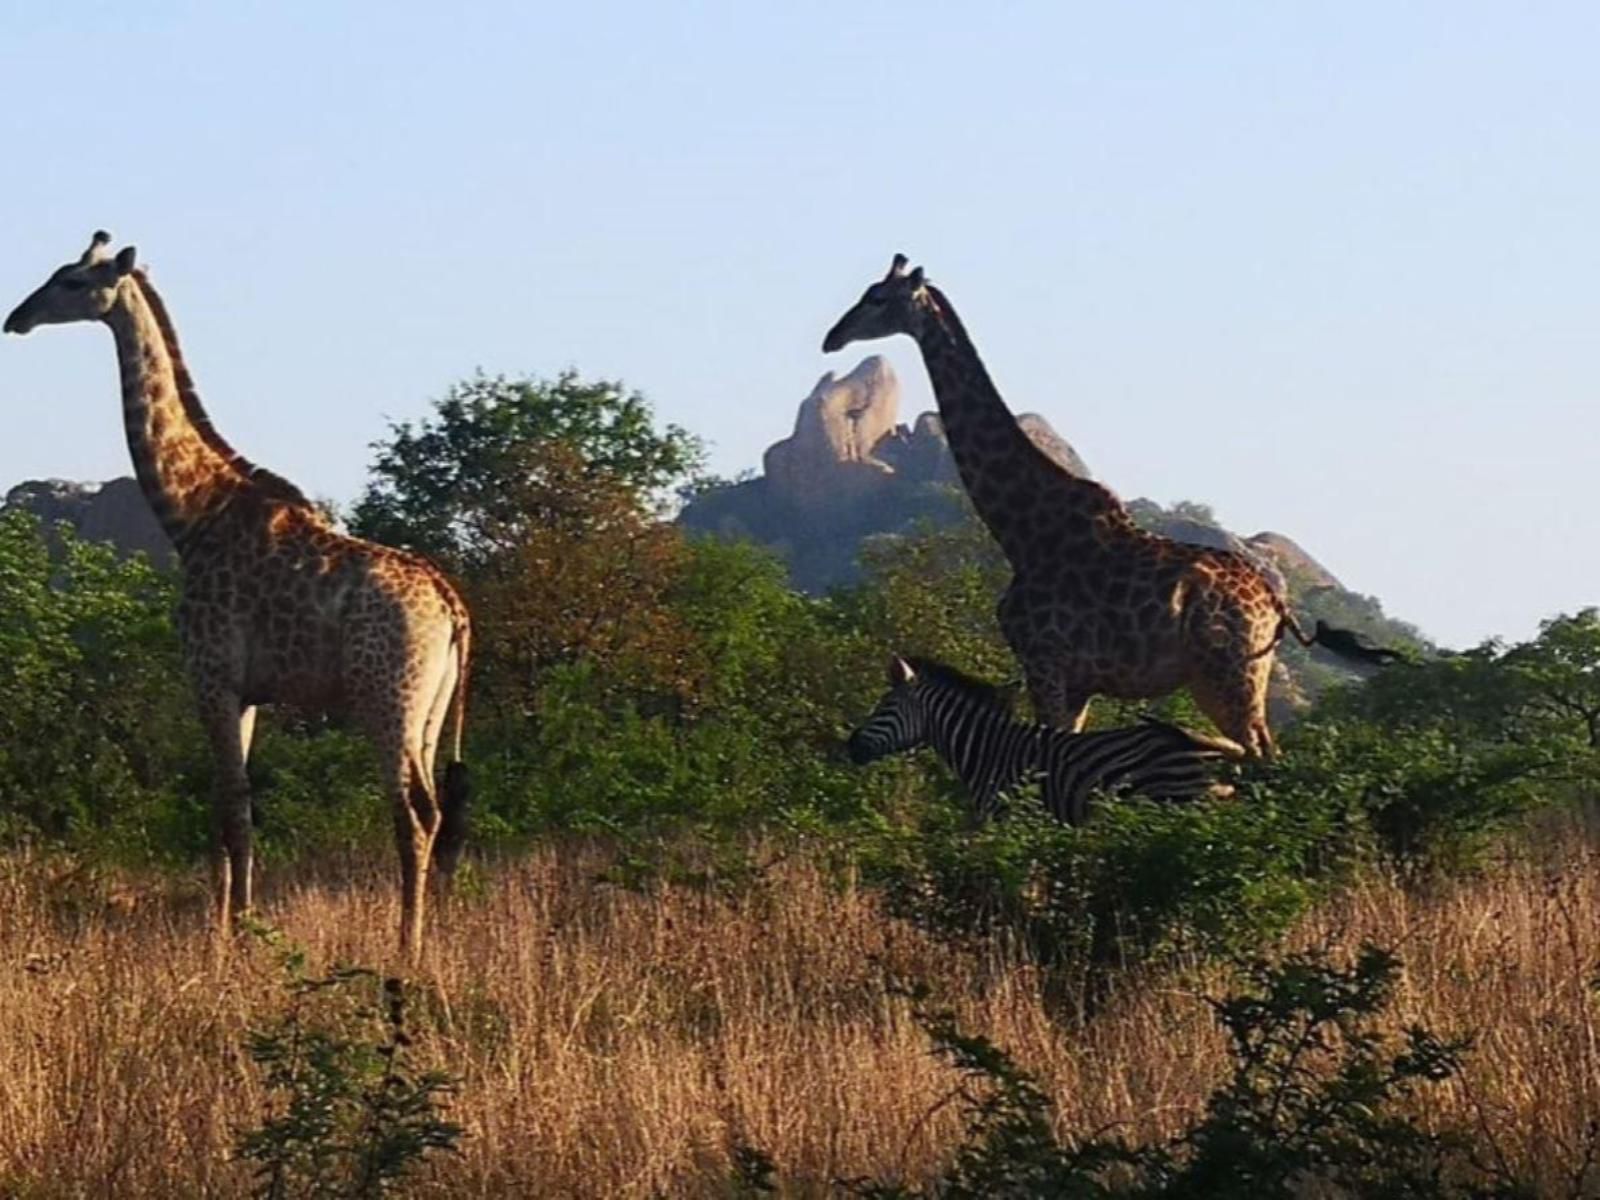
(1292, 560)
(847, 444)
(849, 471)
(922, 452)
(831, 456)
(1055, 447)
(113, 512)
(1283, 560)
(1201, 530)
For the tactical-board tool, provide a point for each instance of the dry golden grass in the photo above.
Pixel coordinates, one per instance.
(612, 1044)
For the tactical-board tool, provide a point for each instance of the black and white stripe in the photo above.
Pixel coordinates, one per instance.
(970, 726)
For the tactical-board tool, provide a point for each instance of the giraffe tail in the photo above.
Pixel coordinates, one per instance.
(1286, 624)
(456, 794)
(1343, 642)
(458, 702)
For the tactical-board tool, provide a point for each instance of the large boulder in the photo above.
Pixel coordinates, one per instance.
(922, 453)
(115, 512)
(831, 456)
(849, 471)
(847, 444)
(1055, 447)
(1286, 565)
(1293, 561)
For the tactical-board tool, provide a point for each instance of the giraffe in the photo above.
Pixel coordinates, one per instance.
(275, 604)
(1096, 605)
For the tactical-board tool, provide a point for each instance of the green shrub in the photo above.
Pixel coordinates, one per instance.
(94, 746)
(1429, 799)
(349, 1116)
(1139, 879)
(1311, 1107)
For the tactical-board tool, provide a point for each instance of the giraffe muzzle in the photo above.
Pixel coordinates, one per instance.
(20, 320)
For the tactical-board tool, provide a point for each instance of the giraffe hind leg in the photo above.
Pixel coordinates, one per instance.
(1238, 712)
(386, 673)
(453, 796)
(416, 824)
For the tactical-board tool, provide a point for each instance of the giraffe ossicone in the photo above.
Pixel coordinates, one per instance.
(97, 248)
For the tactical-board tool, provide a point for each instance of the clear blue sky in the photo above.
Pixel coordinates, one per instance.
(1199, 238)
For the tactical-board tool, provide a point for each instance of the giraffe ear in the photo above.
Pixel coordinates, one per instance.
(900, 672)
(126, 259)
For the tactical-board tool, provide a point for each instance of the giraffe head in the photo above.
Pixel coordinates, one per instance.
(897, 303)
(80, 291)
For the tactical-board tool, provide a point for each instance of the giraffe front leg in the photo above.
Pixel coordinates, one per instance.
(230, 726)
(1056, 704)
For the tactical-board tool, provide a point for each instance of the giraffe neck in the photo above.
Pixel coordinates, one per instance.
(1007, 476)
(187, 472)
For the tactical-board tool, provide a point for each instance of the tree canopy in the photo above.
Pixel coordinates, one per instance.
(438, 483)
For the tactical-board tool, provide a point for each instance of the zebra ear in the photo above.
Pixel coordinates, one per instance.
(900, 672)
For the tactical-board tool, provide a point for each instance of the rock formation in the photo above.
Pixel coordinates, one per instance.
(831, 456)
(114, 512)
(1292, 560)
(849, 471)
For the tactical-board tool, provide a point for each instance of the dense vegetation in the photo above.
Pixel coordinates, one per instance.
(674, 695)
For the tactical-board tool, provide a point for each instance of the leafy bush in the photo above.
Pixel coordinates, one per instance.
(350, 1117)
(1140, 879)
(315, 787)
(93, 744)
(1443, 755)
(586, 762)
(1312, 1106)
(1427, 801)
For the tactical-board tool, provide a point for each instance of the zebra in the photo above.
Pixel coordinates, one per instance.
(970, 726)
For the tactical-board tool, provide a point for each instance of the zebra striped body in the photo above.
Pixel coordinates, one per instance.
(970, 726)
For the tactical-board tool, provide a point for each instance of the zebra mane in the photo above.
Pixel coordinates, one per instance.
(990, 695)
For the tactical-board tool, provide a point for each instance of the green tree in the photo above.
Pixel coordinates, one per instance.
(1441, 755)
(577, 569)
(933, 593)
(1559, 676)
(437, 483)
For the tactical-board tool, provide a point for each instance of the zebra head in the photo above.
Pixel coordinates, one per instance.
(899, 723)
